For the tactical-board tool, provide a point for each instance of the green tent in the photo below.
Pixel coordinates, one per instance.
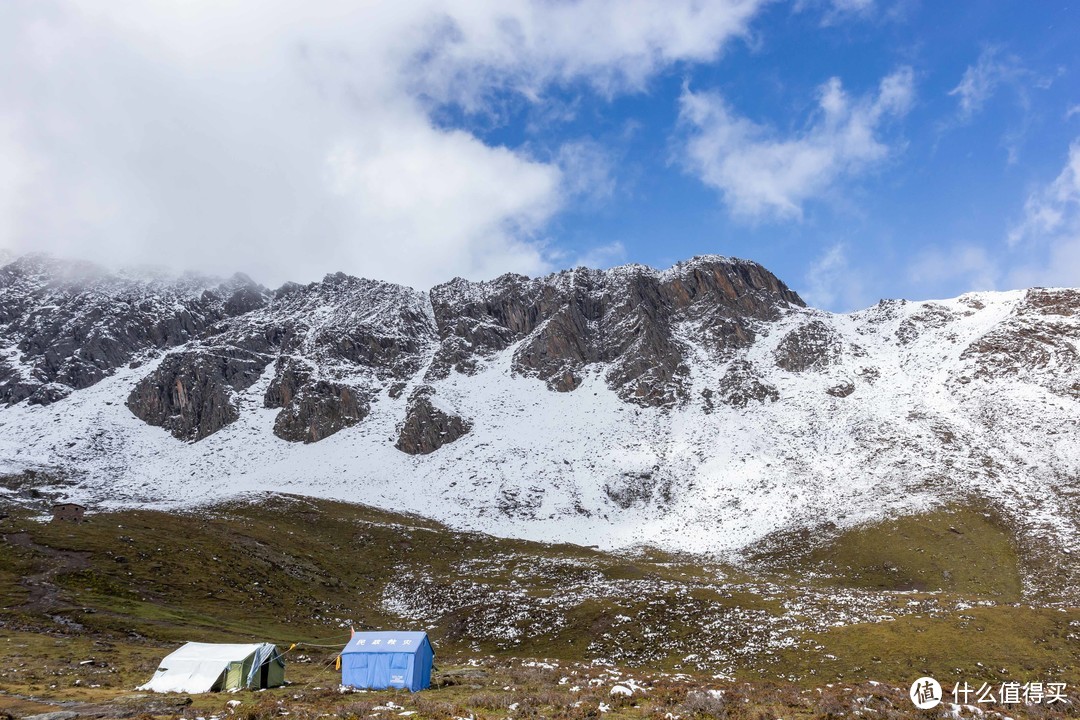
(206, 667)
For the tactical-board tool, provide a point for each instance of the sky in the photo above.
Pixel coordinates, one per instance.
(859, 149)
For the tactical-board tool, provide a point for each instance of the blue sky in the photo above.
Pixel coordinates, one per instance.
(956, 174)
(859, 149)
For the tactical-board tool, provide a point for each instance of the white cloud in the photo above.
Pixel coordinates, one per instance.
(1061, 268)
(852, 5)
(614, 45)
(602, 256)
(760, 173)
(1049, 233)
(1042, 249)
(982, 80)
(836, 12)
(832, 283)
(840, 10)
(589, 170)
(993, 73)
(1052, 209)
(824, 276)
(289, 139)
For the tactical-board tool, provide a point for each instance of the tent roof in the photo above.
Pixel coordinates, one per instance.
(212, 651)
(195, 667)
(388, 641)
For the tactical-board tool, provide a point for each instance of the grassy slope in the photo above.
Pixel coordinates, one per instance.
(288, 569)
(965, 550)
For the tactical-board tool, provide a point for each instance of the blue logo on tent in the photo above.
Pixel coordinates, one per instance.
(379, 660)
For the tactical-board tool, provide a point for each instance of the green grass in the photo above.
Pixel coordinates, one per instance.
(956, 549)
(957, 555)
(992, 644)
(288, 569)
(12, 569)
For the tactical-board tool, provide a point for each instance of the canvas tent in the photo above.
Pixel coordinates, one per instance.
(205, 667)
(378, 660)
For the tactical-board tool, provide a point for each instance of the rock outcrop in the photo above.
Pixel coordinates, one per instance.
(932, 316)
(428, 426)
(312, 409)
(741, 385)
(642, 489)
(334, 344)
(811, 346)
(841, 389)
(68, 325)
(193, 394)
(625, 318)
(1037, 343)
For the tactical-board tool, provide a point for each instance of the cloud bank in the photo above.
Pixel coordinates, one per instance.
(763, 173)
(289, 139)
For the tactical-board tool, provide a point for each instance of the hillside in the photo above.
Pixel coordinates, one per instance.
(701, 408)
(879, 605)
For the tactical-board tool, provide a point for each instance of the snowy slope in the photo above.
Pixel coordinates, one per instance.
(812, 418)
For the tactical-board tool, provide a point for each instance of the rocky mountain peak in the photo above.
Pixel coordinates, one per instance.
(700, 406)
(335, 342)
(70, 324)
(625, 318)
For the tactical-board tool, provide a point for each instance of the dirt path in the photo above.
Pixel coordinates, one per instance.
(44, 594)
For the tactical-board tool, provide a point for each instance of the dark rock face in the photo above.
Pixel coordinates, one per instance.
(338, 345)
(348, 322)
(476, 320)
(643, 489)
(427, 427)
(741, 385)
(311, 409)
(193, 394)
(1051, 302)
(708, 406)
(841, 390)
(562, 347)
(869, 375)
(47, 394)
(625, 318)
(812, 346)
(72, 324)
(334, 344)
(246, 297)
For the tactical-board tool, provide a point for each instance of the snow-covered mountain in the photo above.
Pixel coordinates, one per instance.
(699, 408)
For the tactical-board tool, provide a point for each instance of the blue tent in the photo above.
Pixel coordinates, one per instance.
(378, 660)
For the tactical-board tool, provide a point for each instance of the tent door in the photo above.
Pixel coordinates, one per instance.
(399, 666)
(264, 675)
(234, 676)
(275, 675)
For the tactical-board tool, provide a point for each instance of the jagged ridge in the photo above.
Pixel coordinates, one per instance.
(701, 407)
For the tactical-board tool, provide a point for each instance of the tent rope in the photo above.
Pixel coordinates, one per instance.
(314, 643)
(307, 644)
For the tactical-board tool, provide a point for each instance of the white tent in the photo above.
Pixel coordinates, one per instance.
(203, 667)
